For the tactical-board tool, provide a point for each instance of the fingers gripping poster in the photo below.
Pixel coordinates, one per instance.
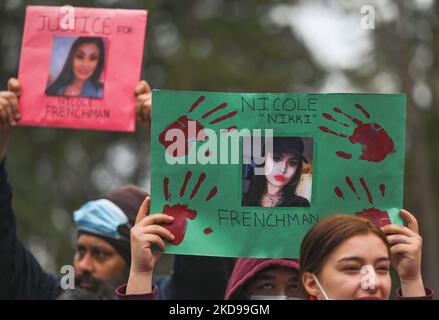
(79, 67)
(247, 175)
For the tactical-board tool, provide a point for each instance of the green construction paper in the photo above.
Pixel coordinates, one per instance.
(215, 230)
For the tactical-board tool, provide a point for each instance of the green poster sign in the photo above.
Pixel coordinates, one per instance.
(247, 175)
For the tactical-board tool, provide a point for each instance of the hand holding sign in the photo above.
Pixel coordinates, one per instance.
(375, 142)
(9, 113)
(9, 109)
(9, 105)
(272, 192)
(84, 74)
(406, 250)
(146, 233)
(143, 104)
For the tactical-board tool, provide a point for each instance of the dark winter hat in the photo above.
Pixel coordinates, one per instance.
(112, 217)
(289, 145)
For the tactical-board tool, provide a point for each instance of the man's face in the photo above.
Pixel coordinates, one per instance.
(97, 259)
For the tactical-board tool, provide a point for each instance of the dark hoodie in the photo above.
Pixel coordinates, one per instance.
(246, 268)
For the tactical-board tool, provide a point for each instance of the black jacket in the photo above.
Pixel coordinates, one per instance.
(294, 201)
(21, 276)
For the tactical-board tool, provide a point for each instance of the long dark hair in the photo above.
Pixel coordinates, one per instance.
(66, 76)
(258, 183)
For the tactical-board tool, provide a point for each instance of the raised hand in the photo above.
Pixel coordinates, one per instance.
(406, 251)
(9, 113)
(146, 233)
(143, 104)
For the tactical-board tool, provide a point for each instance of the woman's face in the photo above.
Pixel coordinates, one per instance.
(357, 269)
(85, 61)
(280, 168)
(277, 281)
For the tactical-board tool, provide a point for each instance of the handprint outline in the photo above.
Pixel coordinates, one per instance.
(376, 144)
(197, 134)
(180, 211)
(377, 216)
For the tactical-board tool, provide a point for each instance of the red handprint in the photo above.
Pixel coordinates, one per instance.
(375, 142)
(181, 212)
(197, 134)
(378, 217)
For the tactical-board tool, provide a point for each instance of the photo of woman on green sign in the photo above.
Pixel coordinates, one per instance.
(277, 187)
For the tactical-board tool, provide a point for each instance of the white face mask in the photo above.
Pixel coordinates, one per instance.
(321, 288)
(263, 297)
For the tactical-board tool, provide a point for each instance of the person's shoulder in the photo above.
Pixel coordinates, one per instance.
(305, 202)
(92, 90)
(296, 201)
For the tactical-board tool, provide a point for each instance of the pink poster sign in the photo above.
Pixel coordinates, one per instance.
(79, 67)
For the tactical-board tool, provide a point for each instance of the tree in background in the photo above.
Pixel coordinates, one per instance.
(241, 46)
(191, 45)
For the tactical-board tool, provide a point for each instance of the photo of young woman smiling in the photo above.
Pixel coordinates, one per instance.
(82, 70)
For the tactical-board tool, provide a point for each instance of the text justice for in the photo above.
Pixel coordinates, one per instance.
(83, 24)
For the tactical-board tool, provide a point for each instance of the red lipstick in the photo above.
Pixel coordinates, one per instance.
(279, 178)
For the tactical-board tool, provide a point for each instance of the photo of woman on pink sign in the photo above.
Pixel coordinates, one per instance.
(81, 73)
